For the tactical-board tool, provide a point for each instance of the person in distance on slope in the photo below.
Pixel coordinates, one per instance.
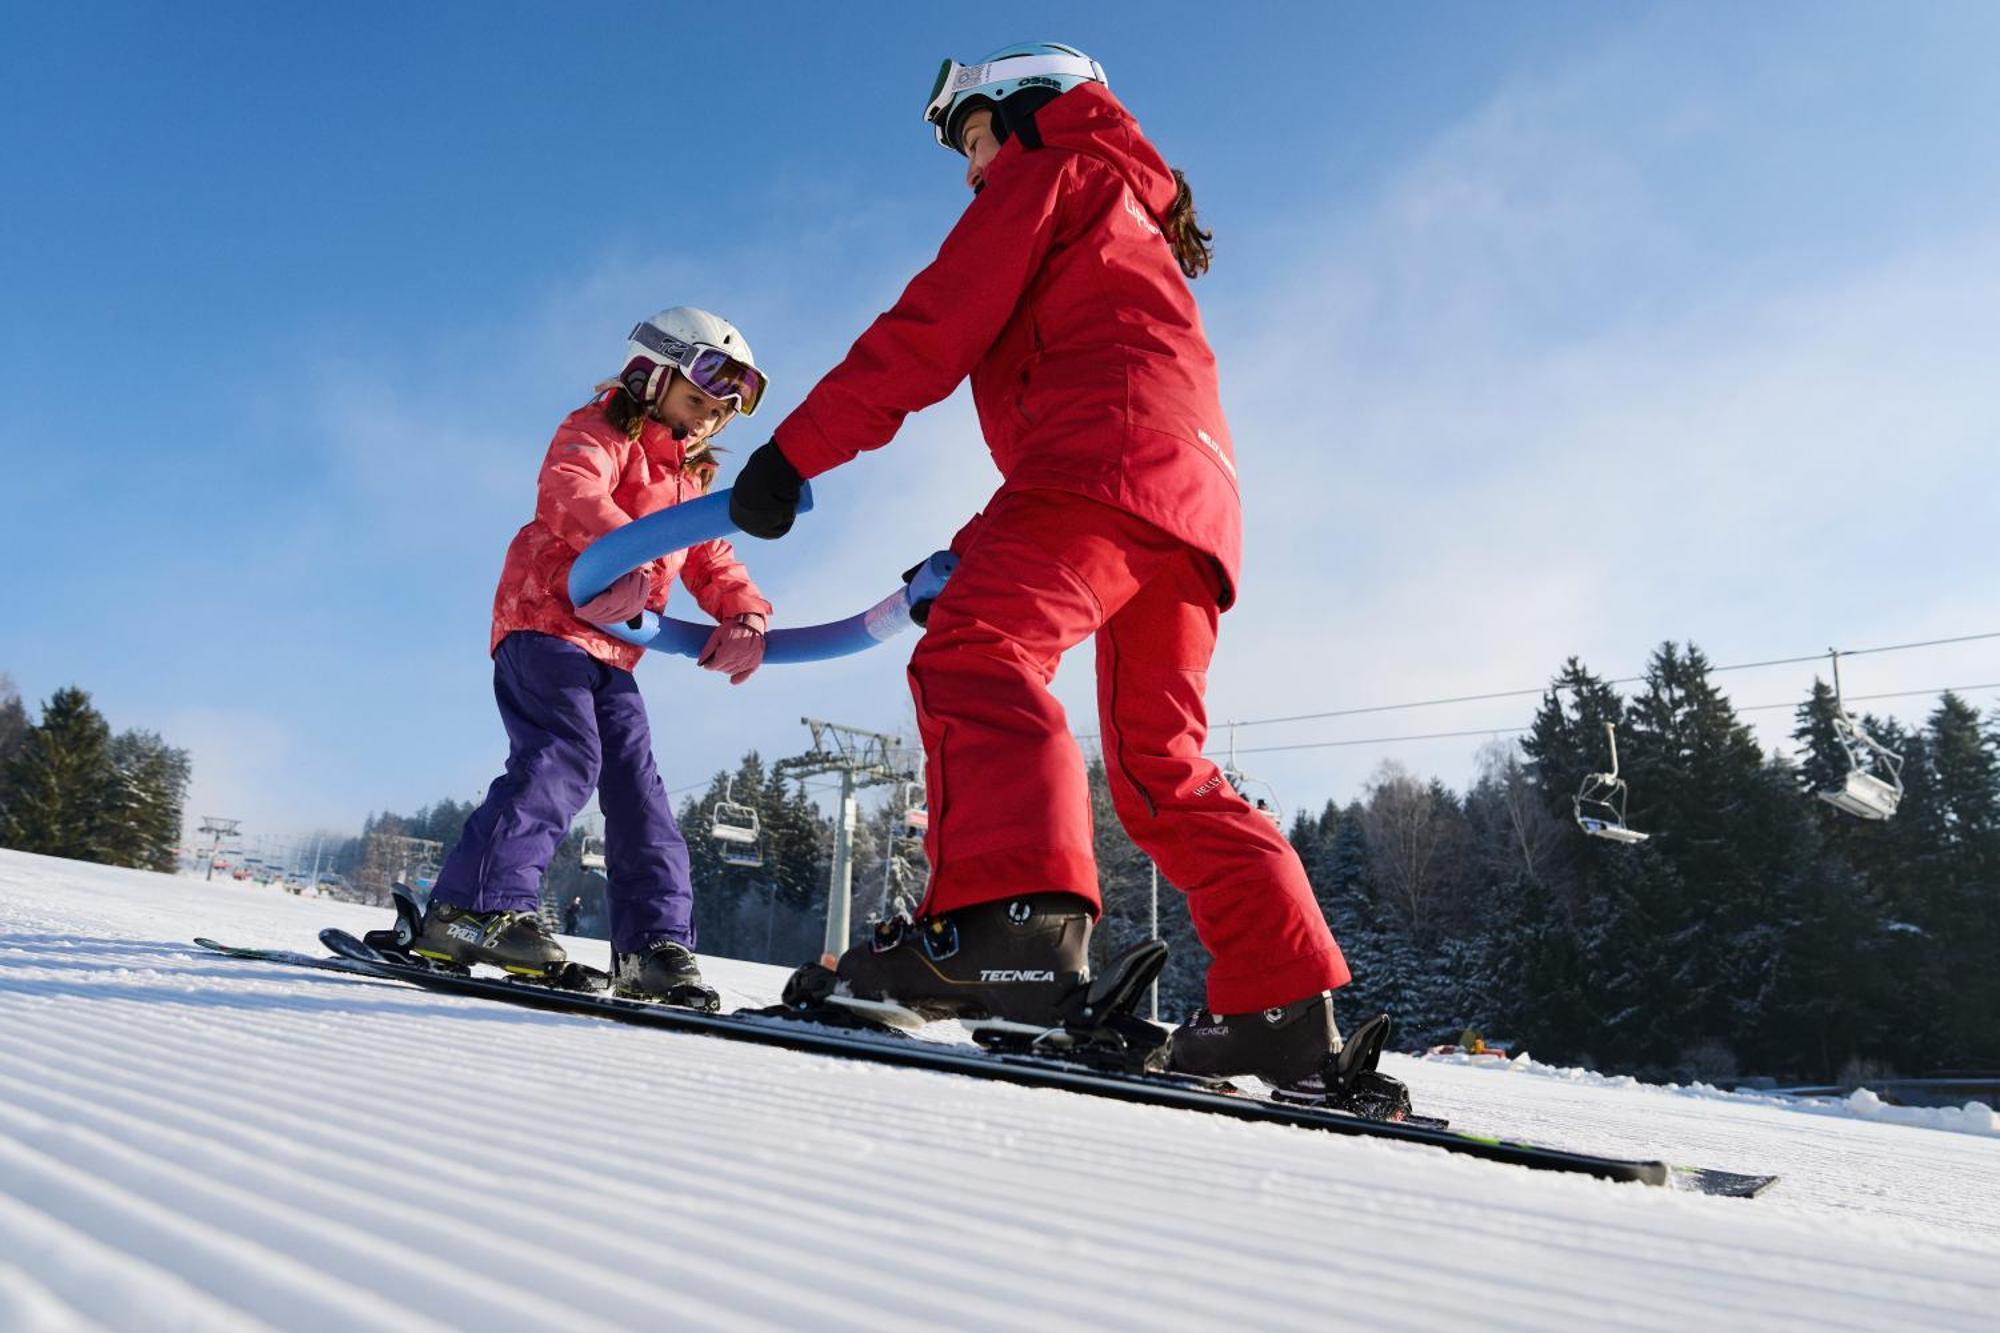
(1063, 292)
(574, 717)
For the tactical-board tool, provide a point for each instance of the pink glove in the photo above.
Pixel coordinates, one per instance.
(623, 600)
(736, 649)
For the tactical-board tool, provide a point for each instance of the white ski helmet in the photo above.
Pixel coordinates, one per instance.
(960, 88)
(706, 348)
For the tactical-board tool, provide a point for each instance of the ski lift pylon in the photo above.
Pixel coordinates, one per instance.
(735, 828)
(1862, 792)
(1599, 803)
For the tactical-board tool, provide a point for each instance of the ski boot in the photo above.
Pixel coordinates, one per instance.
(1015, 971)
(1283, 1046)
(1016, 959)
(1297, 1049)
(665, 972)
(516, 942)
(1349, 1081)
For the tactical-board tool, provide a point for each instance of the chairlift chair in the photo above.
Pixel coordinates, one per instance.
(1261, 795)
(1599, 803)
(916, 814)
(592, 855)
(735, 828)
(1862, 792)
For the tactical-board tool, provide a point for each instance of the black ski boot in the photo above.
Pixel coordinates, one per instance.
(1349, 1081)
(666, 972)
(515, 941)
(1283, 1046)
(1018, 959)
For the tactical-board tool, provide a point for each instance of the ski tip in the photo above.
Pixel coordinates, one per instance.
(346, 946)
(1721, 1184)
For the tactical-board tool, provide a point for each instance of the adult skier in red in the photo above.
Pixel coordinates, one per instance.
(1063, 292)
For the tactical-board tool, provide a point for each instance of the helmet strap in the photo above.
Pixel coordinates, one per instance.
(644, 380)
(657, 385)
(1015, 116)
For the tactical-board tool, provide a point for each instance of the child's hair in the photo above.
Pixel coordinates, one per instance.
(1192, 246)
(625, 413)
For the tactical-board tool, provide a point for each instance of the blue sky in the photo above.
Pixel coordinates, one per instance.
(1544, 329)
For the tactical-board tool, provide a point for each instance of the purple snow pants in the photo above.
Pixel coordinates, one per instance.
(573, 723)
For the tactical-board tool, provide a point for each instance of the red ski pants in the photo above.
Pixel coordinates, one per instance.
(1009, 802)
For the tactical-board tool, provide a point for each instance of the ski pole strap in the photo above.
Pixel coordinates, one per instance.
(680, 526)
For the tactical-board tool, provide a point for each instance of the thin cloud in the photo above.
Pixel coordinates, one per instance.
(1474, 444)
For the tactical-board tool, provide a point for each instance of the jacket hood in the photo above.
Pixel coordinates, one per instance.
(1089, 120)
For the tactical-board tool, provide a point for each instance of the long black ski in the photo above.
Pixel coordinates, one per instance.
(1040, 1071)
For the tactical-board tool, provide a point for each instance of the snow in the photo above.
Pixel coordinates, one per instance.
(1861, 1104)
(191, 1141)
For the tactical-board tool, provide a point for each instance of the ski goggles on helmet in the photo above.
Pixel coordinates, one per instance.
(710, 369)
(994, 79)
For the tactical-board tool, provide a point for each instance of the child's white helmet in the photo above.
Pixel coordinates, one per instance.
(705, 347)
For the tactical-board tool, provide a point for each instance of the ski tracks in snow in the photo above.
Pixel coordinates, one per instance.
(195, 1142)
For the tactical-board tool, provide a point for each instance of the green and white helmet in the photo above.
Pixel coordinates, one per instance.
(960, 88)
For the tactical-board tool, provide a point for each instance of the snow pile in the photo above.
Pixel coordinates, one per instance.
(192, 1141)
(1971, 1118)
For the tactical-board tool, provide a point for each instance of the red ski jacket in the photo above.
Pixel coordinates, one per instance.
(1061, 298)
(596, 478)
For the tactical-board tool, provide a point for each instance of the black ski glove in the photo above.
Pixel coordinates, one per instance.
(765, 498)
(935, 570)
(920, 611)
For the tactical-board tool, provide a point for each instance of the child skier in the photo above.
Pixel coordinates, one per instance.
(574, 717)
(1062, 291)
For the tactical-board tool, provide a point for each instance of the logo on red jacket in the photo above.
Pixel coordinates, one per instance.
(1140, 215)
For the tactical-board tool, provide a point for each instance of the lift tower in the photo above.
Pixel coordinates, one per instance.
(863, 759)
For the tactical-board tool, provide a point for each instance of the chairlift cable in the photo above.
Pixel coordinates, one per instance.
(1517, 731)
(1615, 680)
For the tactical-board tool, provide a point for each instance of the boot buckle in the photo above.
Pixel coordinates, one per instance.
(940, 938)
(889, 934)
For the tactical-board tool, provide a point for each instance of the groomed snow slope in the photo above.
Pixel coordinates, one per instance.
(190, 1141)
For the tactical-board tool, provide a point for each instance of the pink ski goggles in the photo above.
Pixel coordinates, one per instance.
(710, 369)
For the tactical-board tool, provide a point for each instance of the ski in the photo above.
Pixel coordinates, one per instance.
(879, 1046)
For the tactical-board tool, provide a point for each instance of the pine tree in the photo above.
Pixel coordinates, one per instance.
(152, 794)
(1736, 840)
(1961, 913)
(1368, 941)
(63, 789)
(1823, 763)
(13, 730)
(1968, 775)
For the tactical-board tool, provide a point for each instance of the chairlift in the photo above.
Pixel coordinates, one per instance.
(1261, 795)
(1600, 801)
(916, 814)
(592, 855)
(1873, 785)
(735, 828)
